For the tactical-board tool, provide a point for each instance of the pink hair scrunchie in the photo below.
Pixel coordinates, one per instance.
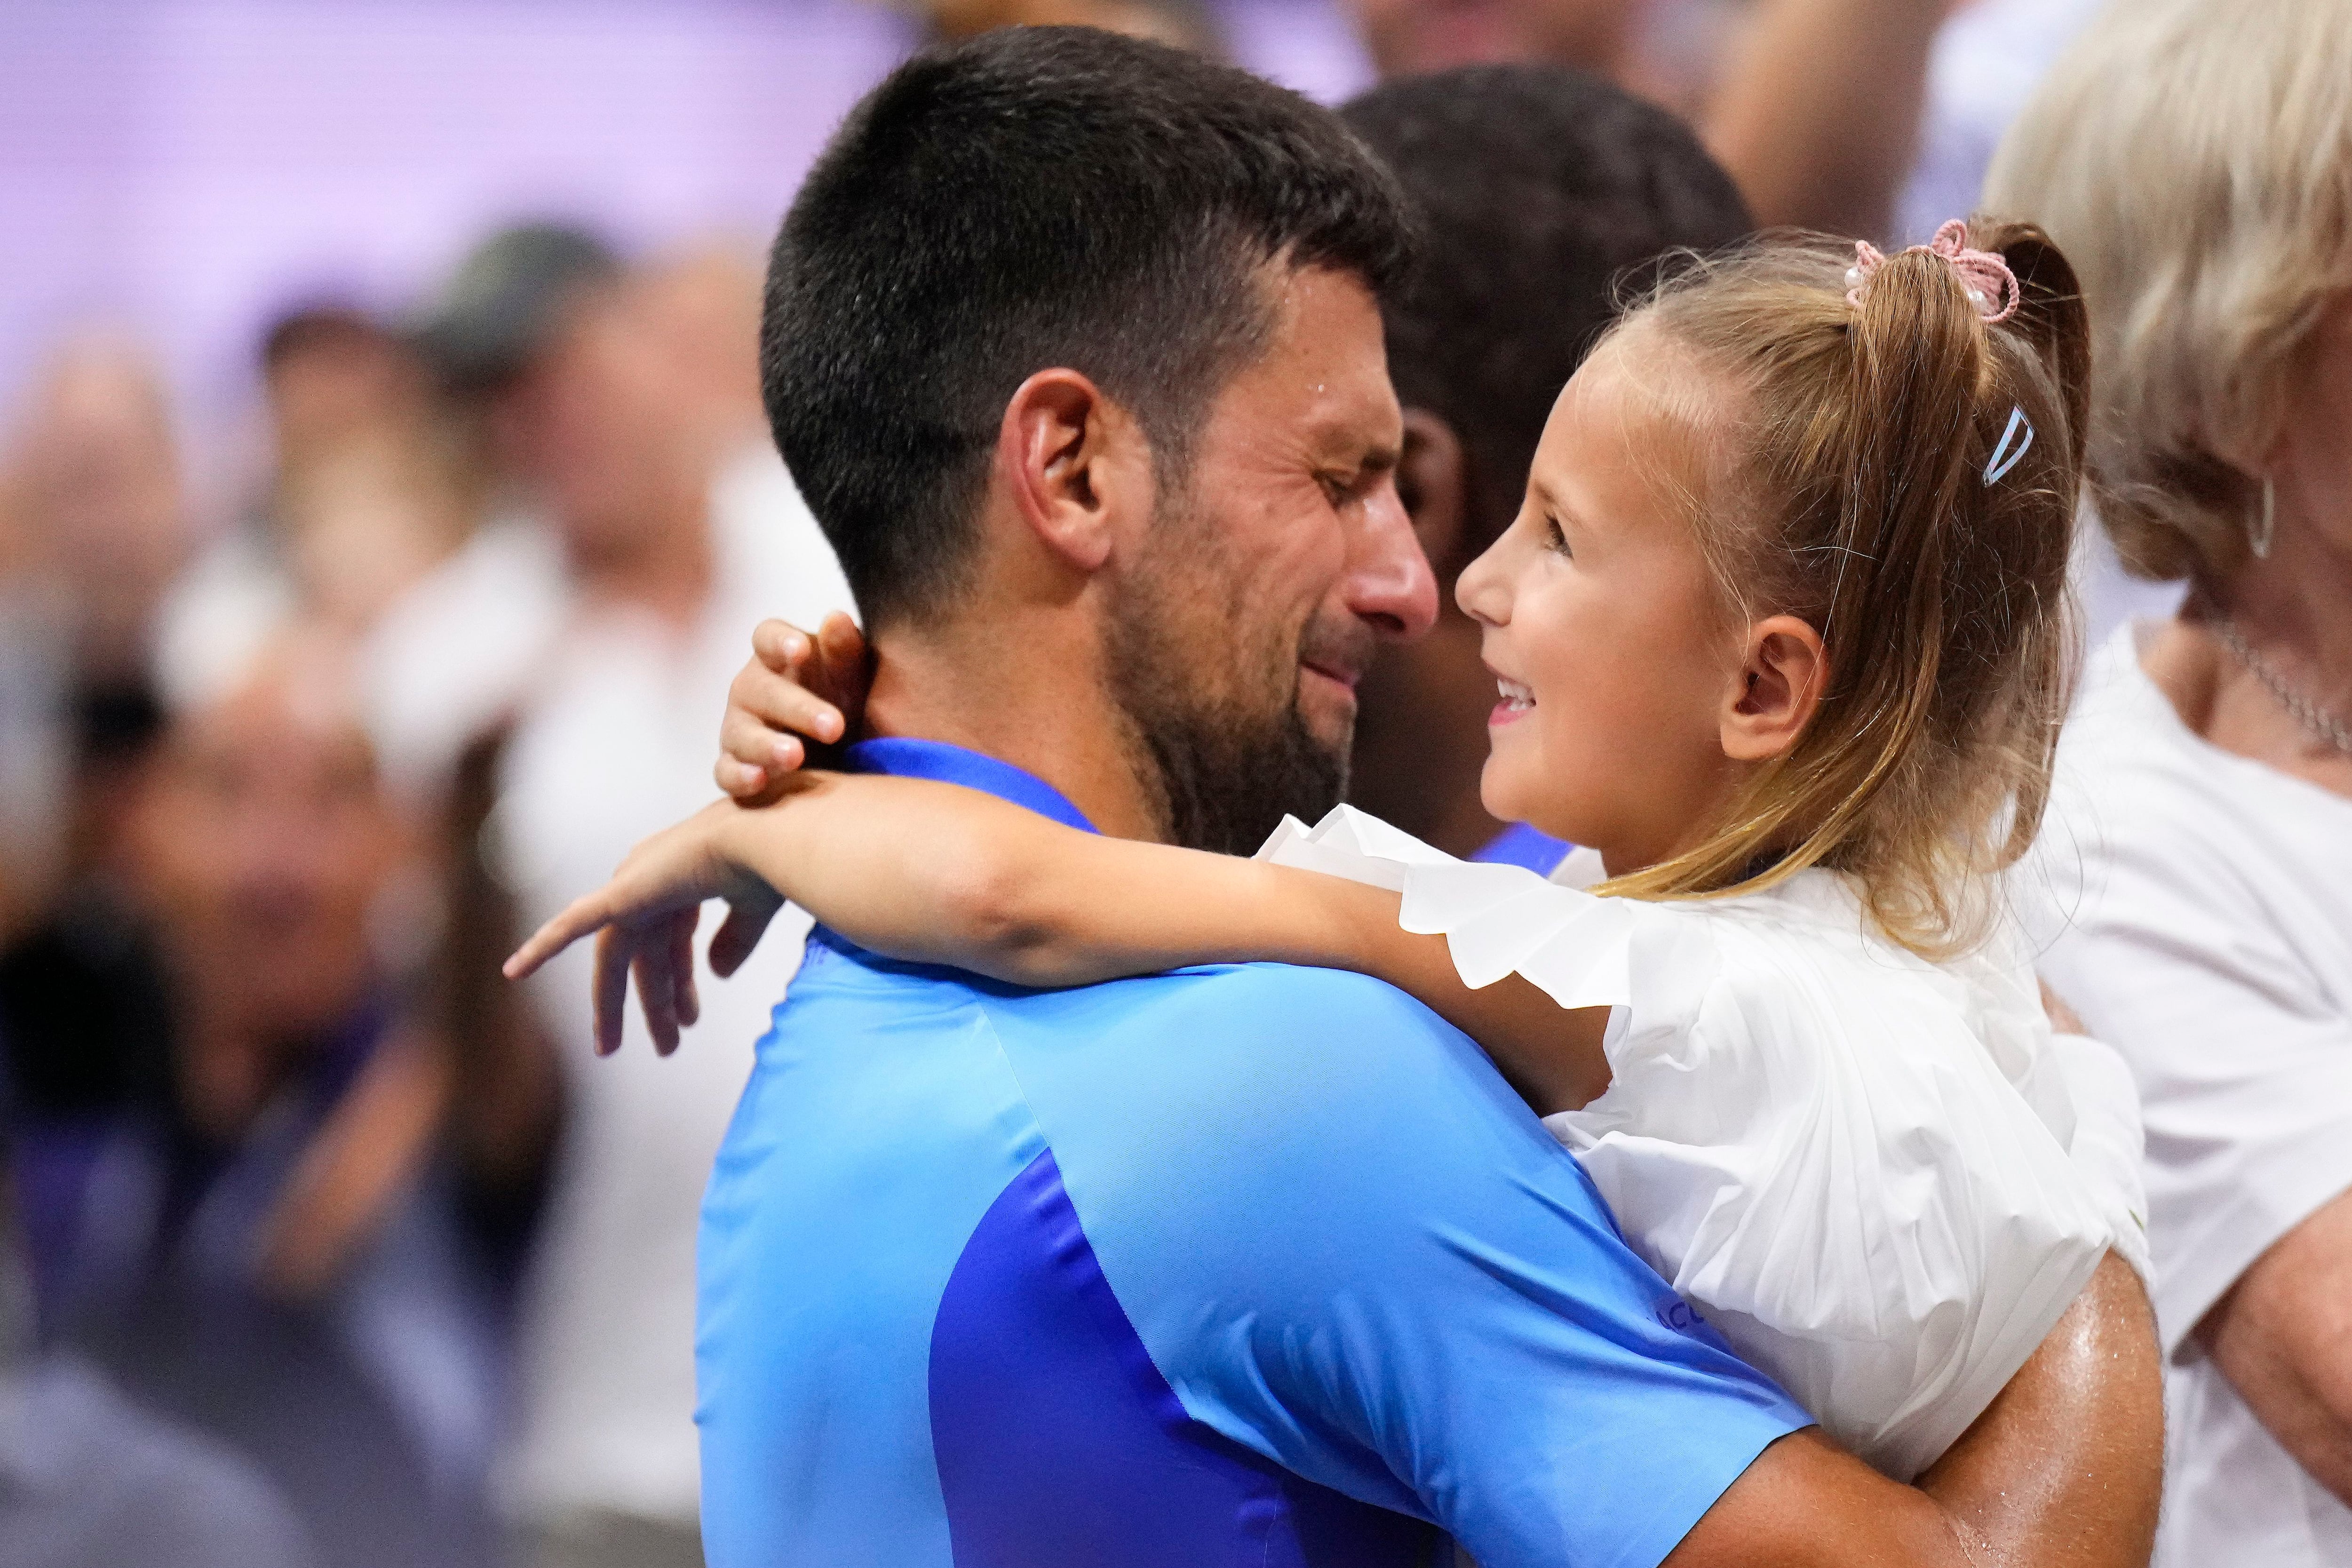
(1992, 286)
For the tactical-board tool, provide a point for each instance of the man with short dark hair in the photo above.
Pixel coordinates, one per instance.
(1155, 268)
(1073, 344)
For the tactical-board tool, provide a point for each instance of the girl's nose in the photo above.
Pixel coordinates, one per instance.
(1484, 588)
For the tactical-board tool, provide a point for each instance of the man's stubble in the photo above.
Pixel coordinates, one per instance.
(1210, 704)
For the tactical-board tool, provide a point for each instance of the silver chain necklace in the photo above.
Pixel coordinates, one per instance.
(2323, 725)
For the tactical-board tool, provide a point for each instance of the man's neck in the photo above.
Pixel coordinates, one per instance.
(1023, 701)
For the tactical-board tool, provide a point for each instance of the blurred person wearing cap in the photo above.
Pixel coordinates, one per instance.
(258, 1193)
(596, 616)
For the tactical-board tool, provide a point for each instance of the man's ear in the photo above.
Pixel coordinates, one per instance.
(1075, 464)
(1776, 691)
(1434, 481)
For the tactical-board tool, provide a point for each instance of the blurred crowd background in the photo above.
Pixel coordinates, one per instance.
(384, 503)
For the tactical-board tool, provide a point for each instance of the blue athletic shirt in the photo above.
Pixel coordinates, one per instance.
(1236, 1264)
(1521, 845)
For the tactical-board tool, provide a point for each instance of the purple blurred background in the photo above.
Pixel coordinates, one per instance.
(183, 169)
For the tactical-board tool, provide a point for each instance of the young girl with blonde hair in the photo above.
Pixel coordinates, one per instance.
(1780, 636)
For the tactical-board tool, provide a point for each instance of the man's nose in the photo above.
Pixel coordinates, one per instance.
(1390, 584)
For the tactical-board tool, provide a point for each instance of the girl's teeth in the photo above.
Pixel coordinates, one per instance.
(1515, 695)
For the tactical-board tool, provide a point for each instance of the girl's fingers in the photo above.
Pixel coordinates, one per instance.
(688, 1006)
(611, 987)
(739, 934)
(580, 917)
(738, 780)
(752, 739)
(782, 705)
(780, 644)
(838, 638)
(656, 995)
(843, 656)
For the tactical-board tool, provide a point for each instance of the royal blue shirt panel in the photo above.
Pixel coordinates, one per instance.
(910, 758)
(1096, 1460)
(1520, 844)
(1350, 1247)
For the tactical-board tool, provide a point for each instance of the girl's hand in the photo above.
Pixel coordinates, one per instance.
(645, 917)
(795, 685)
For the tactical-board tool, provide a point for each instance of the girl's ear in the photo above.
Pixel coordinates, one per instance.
(1776, 691)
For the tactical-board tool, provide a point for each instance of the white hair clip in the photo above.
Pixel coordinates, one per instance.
(1997, 467)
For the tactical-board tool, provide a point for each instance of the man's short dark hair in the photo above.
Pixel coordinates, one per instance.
(1034, 198)
(1538, 191)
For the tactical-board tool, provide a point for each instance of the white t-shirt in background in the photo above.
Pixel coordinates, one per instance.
(2198, 911)
(616, 723)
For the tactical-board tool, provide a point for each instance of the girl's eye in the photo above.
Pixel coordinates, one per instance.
(1553, 538)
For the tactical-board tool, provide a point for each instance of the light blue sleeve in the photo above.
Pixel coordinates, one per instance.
(1350, 1247)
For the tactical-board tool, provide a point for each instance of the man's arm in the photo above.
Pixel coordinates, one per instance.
(2064, 1470)
(2279, 1337)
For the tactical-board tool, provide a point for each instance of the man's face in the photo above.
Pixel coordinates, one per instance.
(1254, 602)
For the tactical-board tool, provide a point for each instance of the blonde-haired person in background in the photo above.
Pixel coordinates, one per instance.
(2195, 158)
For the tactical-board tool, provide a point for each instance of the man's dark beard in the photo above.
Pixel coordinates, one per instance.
(1225, 770)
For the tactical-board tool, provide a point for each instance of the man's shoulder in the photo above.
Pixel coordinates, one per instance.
(1284, 1079)
(1243, 1028)
(1253, 999)
(1324, 1065)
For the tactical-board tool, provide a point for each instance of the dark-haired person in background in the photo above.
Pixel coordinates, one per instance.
(1151, 1272)
(1540, 192)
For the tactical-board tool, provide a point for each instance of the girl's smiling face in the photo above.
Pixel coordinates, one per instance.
(1616, 661)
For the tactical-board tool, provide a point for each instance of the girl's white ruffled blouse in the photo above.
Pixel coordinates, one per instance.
(1882, 1180)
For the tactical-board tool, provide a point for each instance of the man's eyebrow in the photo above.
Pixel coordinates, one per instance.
(1375, 459)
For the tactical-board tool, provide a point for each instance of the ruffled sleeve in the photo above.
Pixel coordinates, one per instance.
(1823, 1143)
(1496, 919)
